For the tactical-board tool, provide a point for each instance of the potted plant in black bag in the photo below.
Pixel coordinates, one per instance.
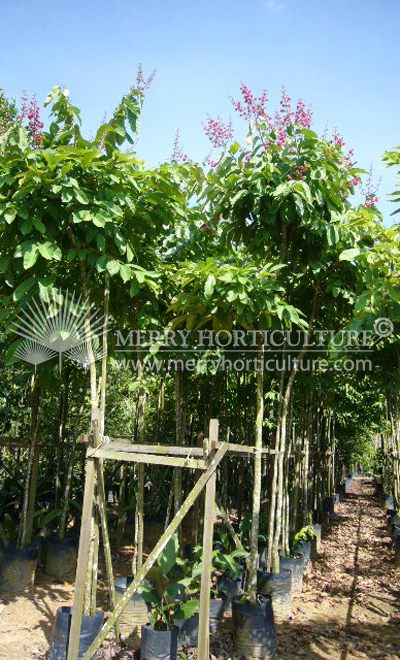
(166, 596)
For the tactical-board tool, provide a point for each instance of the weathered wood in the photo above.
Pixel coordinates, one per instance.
(131, 456)
(83, 559)
(206, 566)
(152, 558)
(160, 450)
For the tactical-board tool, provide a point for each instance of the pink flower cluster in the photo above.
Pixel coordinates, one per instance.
(31, 113)
(370, 191)
(218, 132)
(177, 154)
(300, 172)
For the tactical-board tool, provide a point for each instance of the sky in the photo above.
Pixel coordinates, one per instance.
(342, 57)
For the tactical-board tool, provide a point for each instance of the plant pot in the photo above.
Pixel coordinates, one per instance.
(388, 502)
(317, 531)
(328, 505)
(134, 616)
(395, 532)
(397, 551)
(253, 625)
(279, 587)
(262, 554)
(61, 556)
(217, 609)
(296, 566)
(230, 588)
(158, 644)
(60, 636)
(188, 631)
(17, 571)
(313, 549)
(304, 548)
(349, 481)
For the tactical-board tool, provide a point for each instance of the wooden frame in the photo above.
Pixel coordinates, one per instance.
(211, 456)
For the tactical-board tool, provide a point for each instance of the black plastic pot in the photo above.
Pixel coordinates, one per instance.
(397, 551)
(279, 587)
(217, 609)
(61, 556)
(134, 616)
(395, 532)
(60, 636)
(304, 548)
(158, 644)
(328, 505)
(254, 632)
(230, 587)
(188, 631)
(296, 566)
(17, 570)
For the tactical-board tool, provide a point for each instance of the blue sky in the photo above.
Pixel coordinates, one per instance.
(341, 56)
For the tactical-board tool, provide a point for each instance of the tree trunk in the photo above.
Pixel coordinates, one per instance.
(253, 564)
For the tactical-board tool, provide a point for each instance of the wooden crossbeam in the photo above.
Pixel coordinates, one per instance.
(117, 454)
(153, 556)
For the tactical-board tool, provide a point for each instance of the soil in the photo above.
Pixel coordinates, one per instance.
(349, 609)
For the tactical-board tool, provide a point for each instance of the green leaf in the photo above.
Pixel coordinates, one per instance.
(46, 250)
(349, 255)
(125, 272)
(38, 224)
(81, 196)
(10, 214)
(113, 267)
(209, 286)
(394, 293)
(23, 288)
(4, 263)
(30, 256)
(187, 610)
(168, 557)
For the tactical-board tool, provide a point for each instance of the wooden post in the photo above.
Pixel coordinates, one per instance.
(208, 529)
(83, 559)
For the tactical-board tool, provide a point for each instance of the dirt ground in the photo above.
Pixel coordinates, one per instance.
(350, 607)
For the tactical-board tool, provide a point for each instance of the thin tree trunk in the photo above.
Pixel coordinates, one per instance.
(253, 564)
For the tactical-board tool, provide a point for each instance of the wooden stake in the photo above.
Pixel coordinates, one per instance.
(208, 529)
(83, 559)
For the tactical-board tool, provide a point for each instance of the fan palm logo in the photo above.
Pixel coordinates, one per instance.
(60, 325)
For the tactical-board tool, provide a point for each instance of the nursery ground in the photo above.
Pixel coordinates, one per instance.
(350, 607)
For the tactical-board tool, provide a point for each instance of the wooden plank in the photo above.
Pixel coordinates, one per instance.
(152, 558)
(116, 455)
(206, 566)
(83, 559)
(162, 450)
